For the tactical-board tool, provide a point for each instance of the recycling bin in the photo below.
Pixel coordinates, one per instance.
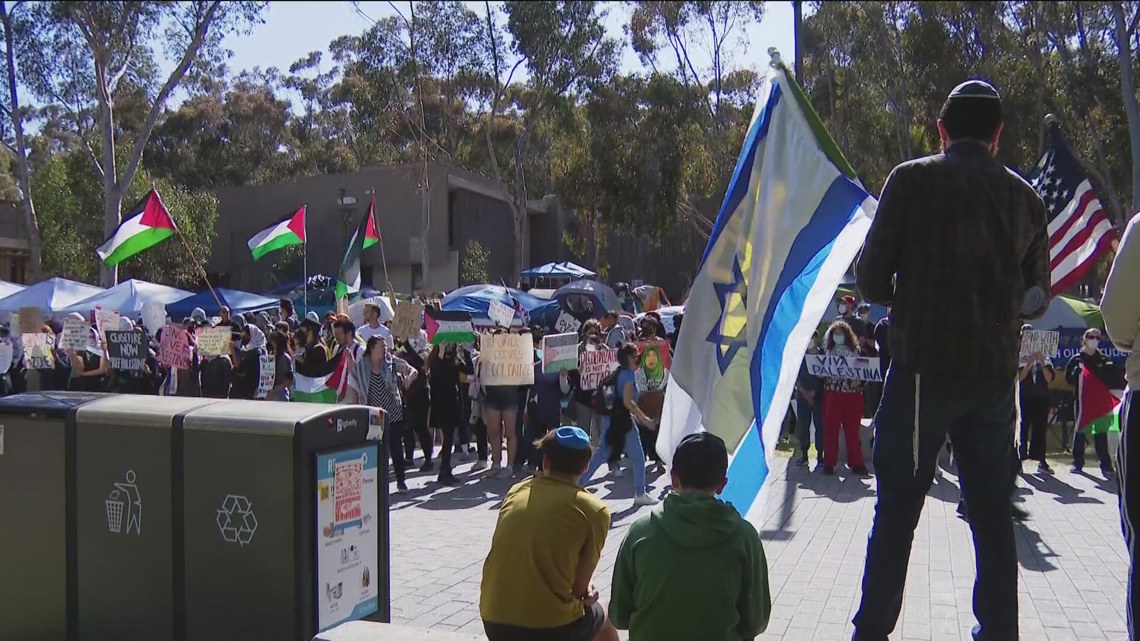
(285, 519)
(126, 518)
(37, 433)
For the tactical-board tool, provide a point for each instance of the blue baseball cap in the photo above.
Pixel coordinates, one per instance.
(572, 437)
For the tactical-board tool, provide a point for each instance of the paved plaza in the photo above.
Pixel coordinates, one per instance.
(1072, 559)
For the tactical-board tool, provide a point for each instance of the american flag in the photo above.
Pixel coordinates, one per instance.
(1079, 228)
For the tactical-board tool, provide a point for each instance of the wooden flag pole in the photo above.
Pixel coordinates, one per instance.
(202, 269)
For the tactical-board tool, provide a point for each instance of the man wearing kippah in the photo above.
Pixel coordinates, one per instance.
(692, 568)
(548, 540)
(960, 252)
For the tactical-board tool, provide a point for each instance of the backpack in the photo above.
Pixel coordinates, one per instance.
(605, 396)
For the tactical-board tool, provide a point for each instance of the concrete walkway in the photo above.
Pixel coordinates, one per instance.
(1072, 558)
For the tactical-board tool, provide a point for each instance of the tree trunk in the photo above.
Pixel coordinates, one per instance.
(31, 225)
(112, 191)
(1128, 93)
(425, 230)
(520, 212)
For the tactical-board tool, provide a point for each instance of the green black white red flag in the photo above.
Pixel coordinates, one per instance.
(147, 224)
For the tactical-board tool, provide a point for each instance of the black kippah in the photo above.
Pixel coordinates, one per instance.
(974, 89)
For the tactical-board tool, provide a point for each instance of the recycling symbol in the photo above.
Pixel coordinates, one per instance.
(236, 521)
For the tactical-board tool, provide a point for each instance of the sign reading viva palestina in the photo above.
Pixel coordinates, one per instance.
(853, 367)
(506, 359)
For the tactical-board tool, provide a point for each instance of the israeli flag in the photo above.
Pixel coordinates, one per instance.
(791, 223)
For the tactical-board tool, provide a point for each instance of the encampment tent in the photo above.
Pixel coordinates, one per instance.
(475, 299)
(565, 269)
(236, 300)
(129, 296)
(7, 289)
(51, 295)
(586, 298)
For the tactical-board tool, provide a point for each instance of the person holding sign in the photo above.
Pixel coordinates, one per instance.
(1034, 379)
(247, 363)
(278, 345)
(1094, 376)
(621, 430)
(443, 368)
(380, 380)
(842, 405)
(89, 367)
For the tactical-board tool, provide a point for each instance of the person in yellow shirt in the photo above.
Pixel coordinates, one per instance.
(547, 542)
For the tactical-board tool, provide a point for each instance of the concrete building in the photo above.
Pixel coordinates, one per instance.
(462, 207)
(15, 256)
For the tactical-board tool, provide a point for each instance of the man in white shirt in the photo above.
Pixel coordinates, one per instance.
(372, 326)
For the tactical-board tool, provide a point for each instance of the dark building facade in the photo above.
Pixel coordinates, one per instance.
(461, 207)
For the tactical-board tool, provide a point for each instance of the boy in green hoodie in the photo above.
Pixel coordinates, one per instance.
(692, 568)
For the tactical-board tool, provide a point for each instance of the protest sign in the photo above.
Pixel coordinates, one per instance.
(654, 361)
(852, 367)
(1036, 340)
(30, 320)
(126, 350)
(502, 314)
(559, 352)
(213, 341)
(106, 320)
(76, 334)
(406, 324)
(5, 357)
(566, 323)
(39, 350)
(506, 359)
(174, 350)
(594, 365)
(153, 317)
(268, 373)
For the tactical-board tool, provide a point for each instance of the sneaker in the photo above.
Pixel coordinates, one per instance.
(1019, 513)
(493, 471)
(802, 462)
(465, 456)
(447, 479)
(861, 471)
(401, 488)
(427, 467)
(1043, 468)
(1076, 469)
(644, 499)
(479, 465)
(503, 473)
(828, 470)
(1107, 472)
(619, 472)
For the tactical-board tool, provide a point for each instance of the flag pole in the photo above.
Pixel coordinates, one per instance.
(189, 251)
(383, 258)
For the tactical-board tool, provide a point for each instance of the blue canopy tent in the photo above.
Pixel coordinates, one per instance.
(7, 289)
(237, 301)
(475, 299)
(129, 296)
(564, 269)
(51, 295)
(587, 298)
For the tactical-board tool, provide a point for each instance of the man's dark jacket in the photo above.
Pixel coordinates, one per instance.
(956, 242)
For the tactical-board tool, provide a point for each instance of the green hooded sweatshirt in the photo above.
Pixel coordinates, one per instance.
(691, 569)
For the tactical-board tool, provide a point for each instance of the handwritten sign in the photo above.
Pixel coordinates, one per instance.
(39, 350)
(654, 361)
(596, 364)
(106, 320)
(126, 350)
(406, 324)
(559, 352)
(851, 367)
(174, 350)
(5, 357)
(213, 341)
(268, 373)
(75, 335)
(1036, 340)
(502, 314)
(30, 320)
(507, 359)
(566, 323)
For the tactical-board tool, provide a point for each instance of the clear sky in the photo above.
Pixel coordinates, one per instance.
(293, 29)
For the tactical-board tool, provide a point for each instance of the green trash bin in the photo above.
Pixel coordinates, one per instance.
(125, 517)
(285, 518)
(37, 433)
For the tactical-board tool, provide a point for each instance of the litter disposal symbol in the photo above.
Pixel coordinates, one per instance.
(236, 521)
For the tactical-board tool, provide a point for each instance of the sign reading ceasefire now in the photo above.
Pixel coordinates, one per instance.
(506, 359)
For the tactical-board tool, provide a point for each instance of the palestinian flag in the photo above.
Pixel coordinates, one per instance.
(326, 386)
(448, 327)
(371, 232)
(1099, 407)
(348, 280)
(283, 233)
(147, 225)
